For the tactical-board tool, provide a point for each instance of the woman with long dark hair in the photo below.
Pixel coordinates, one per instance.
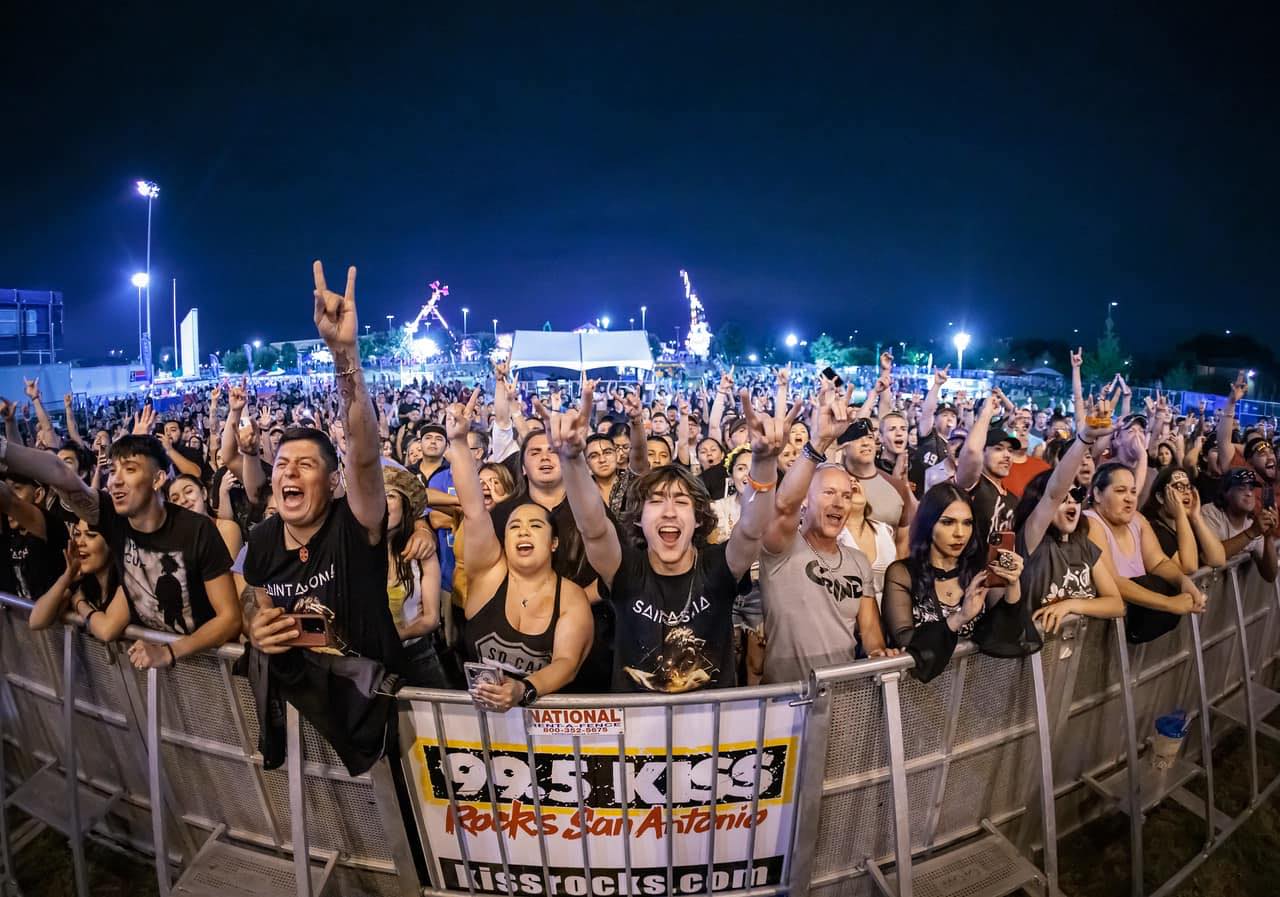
(90, 584)
(413, 587)
(943, 579)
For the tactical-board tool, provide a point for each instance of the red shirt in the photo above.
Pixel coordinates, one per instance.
(1021, 474)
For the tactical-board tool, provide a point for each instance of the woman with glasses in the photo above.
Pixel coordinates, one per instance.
(1173, 510)
(1064, 572)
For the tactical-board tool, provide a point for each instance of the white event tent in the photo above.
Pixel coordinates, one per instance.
(580, 351)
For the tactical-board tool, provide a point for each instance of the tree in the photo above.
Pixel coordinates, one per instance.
(730, 341)
(234, 362)
(825, 351)
(289, 357)
(265, 358)
(1179, 378)
(1107, 361)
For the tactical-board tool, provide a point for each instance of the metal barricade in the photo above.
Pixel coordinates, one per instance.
(861, 780)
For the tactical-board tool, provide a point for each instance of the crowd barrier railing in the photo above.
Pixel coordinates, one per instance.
(862, 780)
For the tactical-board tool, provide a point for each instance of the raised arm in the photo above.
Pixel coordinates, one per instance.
(49, 607)
(481, 549)
(1077, 388)
(638, 454)
(924, 426)
(46, 467)
(969, 463)
(42, 417)
(1226, 423)
(11, 431)
(768, 435)
(1061, 481)
(567, 436)
(73, 428)
(335, 318)
(724, 395)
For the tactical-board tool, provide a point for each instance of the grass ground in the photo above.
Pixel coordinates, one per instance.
(1094, 860)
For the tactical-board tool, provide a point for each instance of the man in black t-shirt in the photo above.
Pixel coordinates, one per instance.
(173, 564)
(984, 461)
(34, 537)
(322, 554)
(937, 421)
(673, 592)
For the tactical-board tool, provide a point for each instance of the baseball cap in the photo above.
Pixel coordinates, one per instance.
(1239, 476)
(1252, 446)
(996, 437)
(945, 406)
(433, 428)
(859, 429)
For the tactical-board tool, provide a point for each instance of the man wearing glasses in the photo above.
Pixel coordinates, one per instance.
(612, 478)
(1242, 522)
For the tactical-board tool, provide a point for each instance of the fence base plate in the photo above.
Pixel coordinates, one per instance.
(988, 867)
(1265, 701)
(225, 870)
(44, 797)
(1154, 785)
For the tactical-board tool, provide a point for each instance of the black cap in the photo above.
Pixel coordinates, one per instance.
(997, 436)
(1239, 476)
(859, 429)
(433, 428)
(946, 406)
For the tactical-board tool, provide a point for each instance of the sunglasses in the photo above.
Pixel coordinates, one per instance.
(1079, 494)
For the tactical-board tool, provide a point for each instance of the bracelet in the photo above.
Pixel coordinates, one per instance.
(348, 372)
(84, 624)
(812, 453)
(173, 658)
(760, 487)
(1085, 441)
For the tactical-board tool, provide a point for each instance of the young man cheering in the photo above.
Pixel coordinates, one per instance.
(672, 591)
(172, 562)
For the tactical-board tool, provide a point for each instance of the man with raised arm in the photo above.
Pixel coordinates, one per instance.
(673, 592)
(983, 464)
(172, 562)
(322, 554)
(819, 596)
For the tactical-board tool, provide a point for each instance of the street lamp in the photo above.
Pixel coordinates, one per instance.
(495, 330)
(792, 340)
(631, 323)
(150, 190)
(643, 309)
(961, 342)
(140, 280)
(257, 344)
(605, 322)
(1110, 305)
(366, 329)
(390, 318)
(465, 312)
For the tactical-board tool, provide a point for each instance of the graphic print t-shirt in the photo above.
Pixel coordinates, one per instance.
(992, 510)
(341, 570)
(36, 563)
(675, 633)
(164, 572)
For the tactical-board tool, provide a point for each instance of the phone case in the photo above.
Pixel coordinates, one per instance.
(307, 637)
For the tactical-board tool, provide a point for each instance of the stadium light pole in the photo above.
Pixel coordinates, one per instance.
(604, 322)
(465, 312)
(643, 325)
(961, 342)
(390, 318)
(150, 190)
(140, 280)
(495, 331)
(1110, 305)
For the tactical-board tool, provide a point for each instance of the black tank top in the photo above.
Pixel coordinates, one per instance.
(490, 635)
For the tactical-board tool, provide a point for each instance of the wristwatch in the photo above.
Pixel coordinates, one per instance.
(530, 694)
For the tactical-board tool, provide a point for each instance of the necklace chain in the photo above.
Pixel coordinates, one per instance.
(839, 553)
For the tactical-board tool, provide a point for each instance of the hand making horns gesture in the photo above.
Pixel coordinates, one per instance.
(768, 433)
(335, 315)
(567, 432)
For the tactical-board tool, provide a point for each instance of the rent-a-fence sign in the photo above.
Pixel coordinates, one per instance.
(585, 808)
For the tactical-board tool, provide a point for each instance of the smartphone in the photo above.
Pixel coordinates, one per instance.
(1269, 497)
(830, 374)
(481, 672)
(311, 631)
(1001, 543)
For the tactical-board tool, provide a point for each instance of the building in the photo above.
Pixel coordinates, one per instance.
(30, 327)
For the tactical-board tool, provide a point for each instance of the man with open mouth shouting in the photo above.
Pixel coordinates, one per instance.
(673, 592)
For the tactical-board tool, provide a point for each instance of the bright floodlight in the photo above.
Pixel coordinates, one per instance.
(961, 341)
(257, 344)
(140, 280)
(792, 340)
(753, 358)
(148, 189)
(605, 321)
(1252, 374)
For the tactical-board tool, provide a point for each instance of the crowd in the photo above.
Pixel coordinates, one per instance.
(597, 540)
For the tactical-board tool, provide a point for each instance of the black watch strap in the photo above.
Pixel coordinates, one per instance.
(530, 694)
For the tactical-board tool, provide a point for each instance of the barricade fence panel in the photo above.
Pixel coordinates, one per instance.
(679, 794)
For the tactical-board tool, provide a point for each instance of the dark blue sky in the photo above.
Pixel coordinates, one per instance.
(814, 170)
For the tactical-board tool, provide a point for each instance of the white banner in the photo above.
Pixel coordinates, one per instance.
(600, 778)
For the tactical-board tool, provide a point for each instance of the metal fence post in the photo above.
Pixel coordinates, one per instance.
(72, 766)
(1047, 806)
(297, 800)
(1251, 722)
(154, 781)
(1131, 748)
(889, 683)
(813, 761)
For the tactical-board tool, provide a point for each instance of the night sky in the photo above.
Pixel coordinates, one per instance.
(813, 171)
